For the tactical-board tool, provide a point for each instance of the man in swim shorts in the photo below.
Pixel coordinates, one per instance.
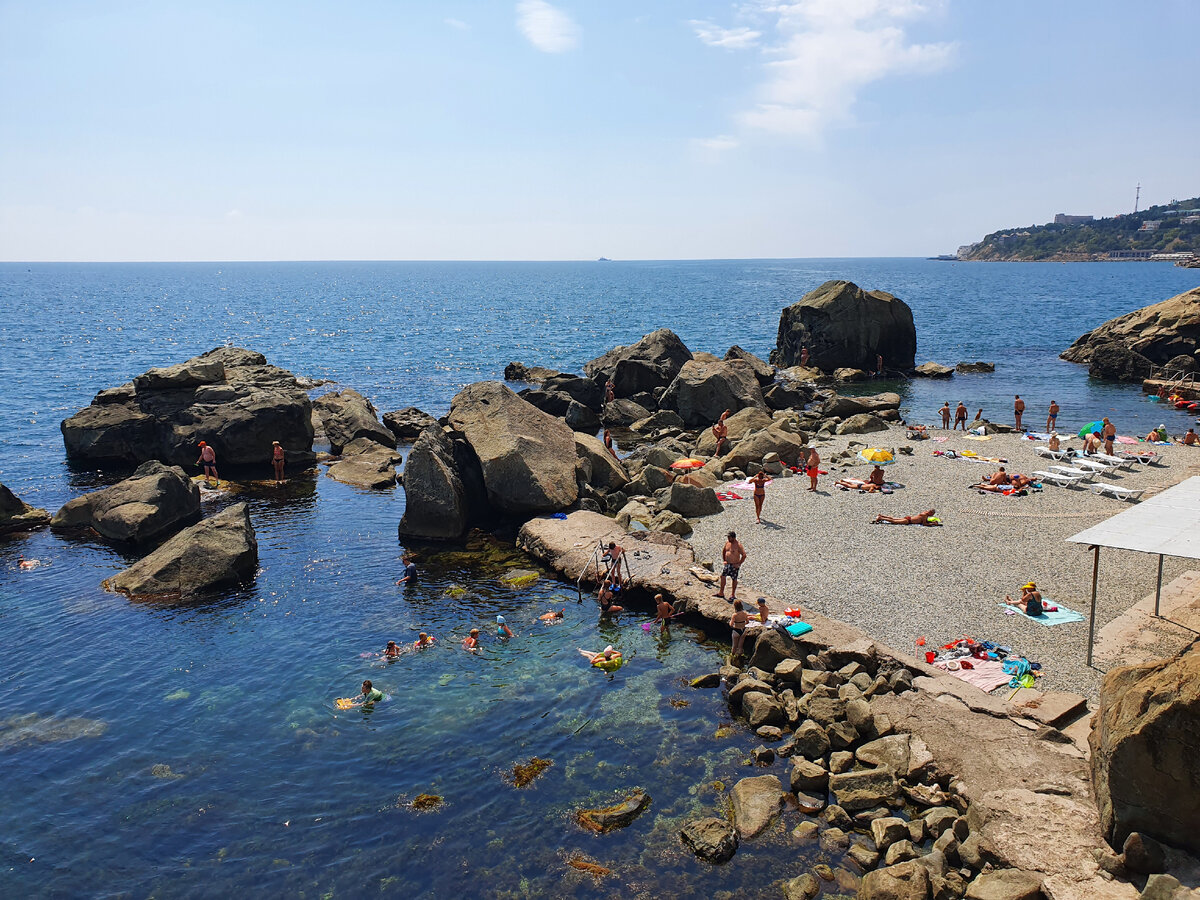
(1108, 433)
(1018, 410)
(1052, 416)
(811, 464)
(960, 416)
(926, 518)
(733, 554)
(663, 612)
(410, 570)
(208, 459)
(721, 431)
(613, 557)
(1189, 439)
(944, 412)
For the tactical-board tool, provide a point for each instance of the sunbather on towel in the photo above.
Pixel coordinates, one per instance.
(926, 518)
(1017, 482)
(1031, 600)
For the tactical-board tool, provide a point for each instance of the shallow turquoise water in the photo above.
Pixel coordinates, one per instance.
(281, 793)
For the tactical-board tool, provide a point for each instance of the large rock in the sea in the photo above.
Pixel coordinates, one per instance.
(155, 501)
(435, 503)
(408, 423)
(364, 463)
(1157, 332)
(652, 362)
(711, 839)
(229, 397)
(1118, 362)
(527, 456)
(17, 515)
(219, 551)
(1146, 751)
(622, 413)
(585, 391)
(347, 415)
(844, 326)
(601, 468)
(704, 389)
(932, 370)
(756, 802)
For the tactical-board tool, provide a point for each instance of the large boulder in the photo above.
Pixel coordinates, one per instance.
(408, 423)
(691, 500)
(622, 413)
(347, 415)
(518, 371)
(763, 371)
(152, 503)
(601, 468)
(229, 397)
(704, 389)
(742, 423)
(364, 463)
(711, 839)
(527, 457)
(861, 423)
(1146, 751)
(844, 326)
(864, 789)
(788, 394)
(903, 881)
(756, 802)
(218, 551)
(844, 407)
(585, 391)
(435, 503)
(754, 447)
(653, 362)
(17, 515)
(1158, 332)
(1118, 362)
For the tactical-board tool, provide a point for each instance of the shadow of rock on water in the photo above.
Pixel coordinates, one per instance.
(34, 728)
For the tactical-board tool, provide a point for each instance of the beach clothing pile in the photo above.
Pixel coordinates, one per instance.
(966, 652)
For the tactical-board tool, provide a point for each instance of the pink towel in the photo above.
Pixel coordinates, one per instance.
(987, 674)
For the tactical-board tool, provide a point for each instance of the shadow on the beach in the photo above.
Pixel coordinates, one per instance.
(772, 525)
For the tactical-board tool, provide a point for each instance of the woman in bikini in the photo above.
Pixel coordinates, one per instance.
(277, 458)
(759, 480)
(926, 518)
(737, 624)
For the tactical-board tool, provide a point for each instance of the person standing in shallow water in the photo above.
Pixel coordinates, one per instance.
(208, 459)
(277, 460)
(960, 416)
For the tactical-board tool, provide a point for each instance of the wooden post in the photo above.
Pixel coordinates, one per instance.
(1158, 587)
(1092, 619)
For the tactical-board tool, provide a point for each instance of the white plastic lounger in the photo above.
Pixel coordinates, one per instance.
(1055, 478)
(1094, 465)
(1052, 454)
(1112, 490)
(1070, 472)
(1113, 460)
(1145, 457)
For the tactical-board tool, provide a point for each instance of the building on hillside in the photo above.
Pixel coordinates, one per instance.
(1130, 254)
(1188, 220)
(1182, 256)
(1064, 219)
(1150, 225)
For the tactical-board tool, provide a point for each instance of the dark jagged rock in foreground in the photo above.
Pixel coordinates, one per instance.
(221, 550)
(17, 515)
(844, 326)
(229, 397)
(155, 501)
(1155, 334)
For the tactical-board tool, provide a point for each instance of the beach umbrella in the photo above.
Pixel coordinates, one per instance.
(687, 464)
(877, 455)
(1090, 427)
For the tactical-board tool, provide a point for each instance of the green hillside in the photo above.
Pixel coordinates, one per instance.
(1097, 239)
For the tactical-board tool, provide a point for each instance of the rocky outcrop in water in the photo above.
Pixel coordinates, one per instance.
(844, 326)
(154, 502)
(653, 362)
(408, 423)
(1146, 751)
(526, 456)
(711, 839)
(435, 499)
(17, 515)
(217, 552)
(705, 388)
(347, 416)
(1113, 361)
(367, 464)
(229, 397)
(34, 728)
(1158, 332)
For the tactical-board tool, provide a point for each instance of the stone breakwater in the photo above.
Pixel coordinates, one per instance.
(930, 787)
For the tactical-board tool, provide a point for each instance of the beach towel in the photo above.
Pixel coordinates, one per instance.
(940, 440)
(977, 437)
(1061, 616)
(729, 495)
(985, 674)
(1125, 439)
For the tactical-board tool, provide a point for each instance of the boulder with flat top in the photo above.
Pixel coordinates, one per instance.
(154, 502)
(601, 469)
(17, 515)
(347, 415)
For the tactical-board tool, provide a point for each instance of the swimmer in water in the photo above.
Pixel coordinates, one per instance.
(608, 654)
(608, 591)
(424, 640)
(391, 651)
(370, 694)
(502, 630)
(664, 611)
(554, 616)
(27, 564)
(471, 642)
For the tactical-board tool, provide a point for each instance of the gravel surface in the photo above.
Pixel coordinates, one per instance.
(897, 583)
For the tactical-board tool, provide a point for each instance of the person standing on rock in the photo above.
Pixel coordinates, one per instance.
(960, 416)
(804, 356)
(613, 558)
(208, 459)
(610, 391)
(944, 412)
(733, 554)
(1052, 416)
(608, 443)
(1018, 410)
(720, 432)
(812, 464)
(277, 460)
(878, 365)
(759, 481)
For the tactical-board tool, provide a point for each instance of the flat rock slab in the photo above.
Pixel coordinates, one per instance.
(756, 803)
(1006, 884)
(1049, 707)
(972, 697)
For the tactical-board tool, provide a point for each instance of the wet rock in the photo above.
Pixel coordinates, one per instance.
(932, 370)
(711, 839)
(1006, 884)
(1117, 362)
(162, 770)
(347, 415)
(155, 501)
(517, 371)
(708, 680)
(762, 756)
(527, 457)
(809, 804)
(219, 551)
(802, 887)
(1143, 854)
(975, 368)
(435, 498)
(756, 802)
(809, 777)
(866, 789)
(905, 881)
(810, 740)
(769, 733)
(619, 815)
(834, 840)
(691, 500)
(762, 709)
(836, 817)
(17, 515)
(806, 831)
(407, 424)
(34, 728)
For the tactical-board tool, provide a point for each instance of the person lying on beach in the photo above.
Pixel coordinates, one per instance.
(424, 640)
(926, 518)
(554, 616)
(471, 641)
(1018, 482)
(1189, 439)
(391, 651)
(851, 484)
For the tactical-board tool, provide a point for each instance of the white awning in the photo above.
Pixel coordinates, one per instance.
(1167, 524)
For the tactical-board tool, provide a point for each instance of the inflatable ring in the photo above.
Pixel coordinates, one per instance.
(609, 665)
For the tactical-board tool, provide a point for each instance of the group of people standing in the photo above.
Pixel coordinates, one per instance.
(960, 415)
(207, 461)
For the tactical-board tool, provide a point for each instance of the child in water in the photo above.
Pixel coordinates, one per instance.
(424, 640)
(554, 616)
(502, 630)
(391, 651)
(471, 642)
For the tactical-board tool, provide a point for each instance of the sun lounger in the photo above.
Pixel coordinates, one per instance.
(1052, 454)
(1055, 478)
(1094, 465)
(1112, 460)
(1081, 474)
(1145, 457)
(1112, 490)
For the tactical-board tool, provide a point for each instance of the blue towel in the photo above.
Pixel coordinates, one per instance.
(1062, 616)
(798, 628)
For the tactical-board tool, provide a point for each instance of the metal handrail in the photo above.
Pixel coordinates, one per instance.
(597, 555)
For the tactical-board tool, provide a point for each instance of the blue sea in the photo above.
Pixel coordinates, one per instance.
(196, 749)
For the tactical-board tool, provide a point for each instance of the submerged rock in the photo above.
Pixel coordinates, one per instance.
(217, 551)
(711, 839)
(524, 773)
(756, 803)
(17, 515)
(610, 818)
(34, 728)
(155, 501)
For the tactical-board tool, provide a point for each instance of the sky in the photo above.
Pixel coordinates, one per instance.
(564, 129)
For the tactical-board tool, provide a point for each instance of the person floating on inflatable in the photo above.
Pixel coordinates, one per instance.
(608, 659)
(369, 696)
(424, 640)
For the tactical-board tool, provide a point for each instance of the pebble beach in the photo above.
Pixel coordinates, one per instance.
(900, 583)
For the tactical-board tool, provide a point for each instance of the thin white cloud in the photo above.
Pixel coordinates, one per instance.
(719, 143)
(729, 38)
(546, 27)
(820, 54)
(457, 23)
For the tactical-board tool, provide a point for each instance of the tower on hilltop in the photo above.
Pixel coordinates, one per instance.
(1137, 197)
